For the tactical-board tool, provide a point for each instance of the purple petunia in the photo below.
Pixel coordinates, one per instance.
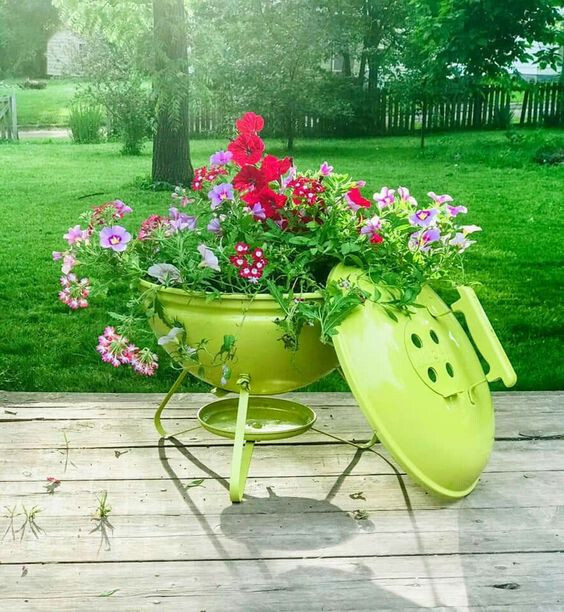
(180, 221)
(221, 158)
(220, 193)
(404, 195)
(422, 240)
(461, 242)
(115, 238)
(214, 226)
(371, 225)
(423, 218)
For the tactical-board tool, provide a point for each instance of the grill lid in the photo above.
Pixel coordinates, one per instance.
(420, 385)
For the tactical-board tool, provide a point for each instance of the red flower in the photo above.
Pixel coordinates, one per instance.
(249, 123)
(273, 168)
(242, 248)
(257, 253)
(245, 272)
(355, 200)
(238, 261)
(376, 239)
(202, 175)
(246, 149)
(306, 190)
(270, 201)
(249, 178)
(151, 224)
(260, 263)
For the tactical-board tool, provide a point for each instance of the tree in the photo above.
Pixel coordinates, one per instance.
(171, 153)
(482, 38)
(25, 26)
(272, 59)
(453, 45)
(146, 37)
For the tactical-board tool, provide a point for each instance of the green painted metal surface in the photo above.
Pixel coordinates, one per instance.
(260, 353)
(420, 384)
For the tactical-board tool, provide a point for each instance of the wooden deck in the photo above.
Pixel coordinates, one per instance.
(324, 527)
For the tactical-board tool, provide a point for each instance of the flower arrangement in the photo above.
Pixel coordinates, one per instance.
(253, 223)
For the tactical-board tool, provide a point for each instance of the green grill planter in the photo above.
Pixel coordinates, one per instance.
(416, 377)
(261, 355)
(261, 362)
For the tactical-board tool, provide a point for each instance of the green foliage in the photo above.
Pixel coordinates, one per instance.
(85, 123)
(550, 155)
(25, 26)
(476, 39)
(281, 78)
(116, 84)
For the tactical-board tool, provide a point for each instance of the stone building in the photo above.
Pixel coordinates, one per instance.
(64, 50)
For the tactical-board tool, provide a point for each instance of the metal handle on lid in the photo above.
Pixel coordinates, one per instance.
(485, 337)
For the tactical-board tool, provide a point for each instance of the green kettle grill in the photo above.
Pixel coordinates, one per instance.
(416, 377)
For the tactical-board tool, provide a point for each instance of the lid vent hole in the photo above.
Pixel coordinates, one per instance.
(449, 369)
(416, 340)
(432, 374)
(434, 336)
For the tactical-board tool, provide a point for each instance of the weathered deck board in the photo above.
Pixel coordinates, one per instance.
(398, 583)
(270, 461)
(298, 542)
(518, 414)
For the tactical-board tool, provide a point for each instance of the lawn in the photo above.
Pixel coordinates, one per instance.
(518, 260)
(42, 107)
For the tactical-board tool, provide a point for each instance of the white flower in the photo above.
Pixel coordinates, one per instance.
(164, 272)
(170, 337)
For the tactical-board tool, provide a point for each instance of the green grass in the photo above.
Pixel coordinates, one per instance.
(42, 107)
(518, 259)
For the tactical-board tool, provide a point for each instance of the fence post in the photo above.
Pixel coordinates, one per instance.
(14, 115)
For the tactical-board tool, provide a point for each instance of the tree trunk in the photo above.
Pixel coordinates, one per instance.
(347, 71)
(171, 152)
(290, 131)
(423, 122)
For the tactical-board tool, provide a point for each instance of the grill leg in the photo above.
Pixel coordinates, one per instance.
(157, 418)
(242, 450)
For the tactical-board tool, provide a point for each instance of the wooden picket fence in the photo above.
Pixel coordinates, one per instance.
(391, 113)
(8, 118)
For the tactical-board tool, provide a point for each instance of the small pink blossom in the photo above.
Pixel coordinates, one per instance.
(145, 362)
(325, 169)
(115, 349)
(75, 235)
(439, 199)
(404, 195)
(181, 194)
(69, 261)
(385, 197)
(453, 211)
(74, 292)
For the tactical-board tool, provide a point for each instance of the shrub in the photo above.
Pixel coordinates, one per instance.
(549, 155)
(33, 84)
(86, 123)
